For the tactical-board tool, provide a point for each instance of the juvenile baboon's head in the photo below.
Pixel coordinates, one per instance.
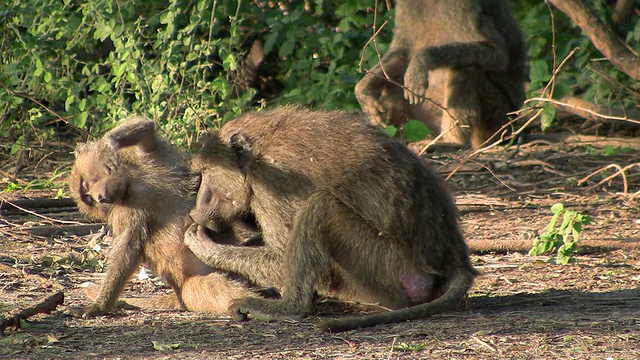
(97, 180)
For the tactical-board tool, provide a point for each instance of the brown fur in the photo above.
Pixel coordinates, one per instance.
(466, 55)
(344, 209)
(141, 187)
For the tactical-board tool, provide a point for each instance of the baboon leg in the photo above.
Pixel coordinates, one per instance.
(307, 261)
(369, 89)
(327, 232)
(463, 108)
(165, 301)
(211, 293)
(262, 265)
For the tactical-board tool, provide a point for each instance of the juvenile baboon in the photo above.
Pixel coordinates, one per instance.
(344, 210)
(142, 188)
(467, 56)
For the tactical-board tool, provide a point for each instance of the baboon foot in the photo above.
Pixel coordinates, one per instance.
(370, 106)
(90, 311)
(261, 309)
(269, 293)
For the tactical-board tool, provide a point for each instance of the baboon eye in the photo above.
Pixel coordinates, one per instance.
(84, 189)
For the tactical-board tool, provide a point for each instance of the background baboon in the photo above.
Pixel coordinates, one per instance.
(141, 187)
(465, 55)
(343, 209)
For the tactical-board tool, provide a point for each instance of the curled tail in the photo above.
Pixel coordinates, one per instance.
(460, 283)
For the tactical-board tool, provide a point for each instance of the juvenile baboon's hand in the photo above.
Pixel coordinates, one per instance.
(416, 83)
(261, 309)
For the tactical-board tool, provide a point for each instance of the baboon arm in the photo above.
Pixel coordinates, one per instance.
(124, 259)
(262, 265)
(486, 54)
(137, 131)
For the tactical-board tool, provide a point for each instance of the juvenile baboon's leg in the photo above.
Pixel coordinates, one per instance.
(369, 89)
(463, 108)
(262, 265)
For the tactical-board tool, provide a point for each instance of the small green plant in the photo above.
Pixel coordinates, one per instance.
(410, 347)
(562, 240)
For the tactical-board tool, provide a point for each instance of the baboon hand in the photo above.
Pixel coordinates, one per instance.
(199, 243)
(261, 309)
(416, 83)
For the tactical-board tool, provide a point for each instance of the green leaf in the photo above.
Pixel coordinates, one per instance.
(270, 40)
(557, 208)
(547, 117)
(415, 130)
(287, 47)
(161, 346)
(391, 130)
(229, 62)
(539, 71)
(68, 102)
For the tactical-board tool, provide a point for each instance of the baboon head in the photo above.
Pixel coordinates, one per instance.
(97, 179)
(223, 193)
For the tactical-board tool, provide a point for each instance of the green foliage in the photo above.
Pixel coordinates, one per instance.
(53, 182)
(93, 62)
(564, 239)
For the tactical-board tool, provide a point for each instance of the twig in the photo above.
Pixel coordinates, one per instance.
(44, 307)
(3, 199)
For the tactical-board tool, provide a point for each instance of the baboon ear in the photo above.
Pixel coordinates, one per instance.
(242, 149)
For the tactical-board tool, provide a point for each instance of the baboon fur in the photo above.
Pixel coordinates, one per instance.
(467, 56)
(344, 210)
(143, 189)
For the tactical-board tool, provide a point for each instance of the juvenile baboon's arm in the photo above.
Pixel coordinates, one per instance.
(136, 131)
(124, 259)
(261, 265)
(485, 54)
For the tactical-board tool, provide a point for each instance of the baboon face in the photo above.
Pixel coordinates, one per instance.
(97, 181)
(216, 206)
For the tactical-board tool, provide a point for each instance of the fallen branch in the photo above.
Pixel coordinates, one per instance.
(44, 307)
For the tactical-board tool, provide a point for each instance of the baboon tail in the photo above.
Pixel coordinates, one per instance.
(456, 291)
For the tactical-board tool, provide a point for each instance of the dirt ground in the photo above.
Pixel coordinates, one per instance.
(521, 307)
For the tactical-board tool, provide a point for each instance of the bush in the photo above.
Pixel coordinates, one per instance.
(88, 63)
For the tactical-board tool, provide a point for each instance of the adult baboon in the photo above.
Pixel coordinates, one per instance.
(142, 188)
(468, 56)
(344, 209)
